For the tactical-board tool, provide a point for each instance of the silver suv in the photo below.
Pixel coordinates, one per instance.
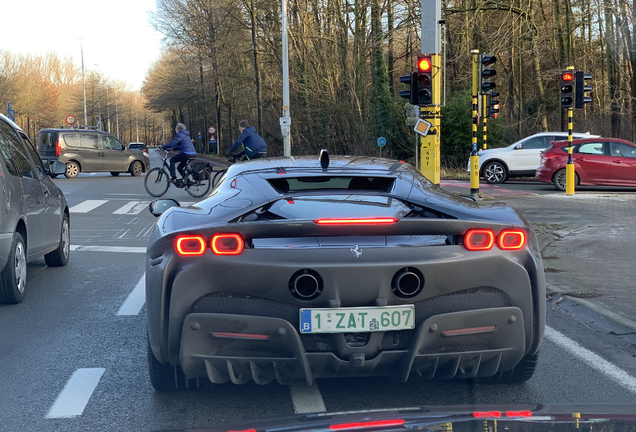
(520, 159)
(34, 215)
(84, 150)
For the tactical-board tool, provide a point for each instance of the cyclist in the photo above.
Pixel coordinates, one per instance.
(254, 146)
(183, 142)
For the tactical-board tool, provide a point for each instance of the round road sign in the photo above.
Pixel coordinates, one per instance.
(70, 119)
(211, 130)
(381, 141)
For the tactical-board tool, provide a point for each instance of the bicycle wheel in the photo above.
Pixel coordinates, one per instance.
(197, 188)
(157, 181)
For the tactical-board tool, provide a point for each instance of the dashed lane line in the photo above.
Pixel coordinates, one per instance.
(306, 399)
(135, 300)
(76, 393)
(86, 206)
(118, 249)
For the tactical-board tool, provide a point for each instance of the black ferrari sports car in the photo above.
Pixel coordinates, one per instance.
(303, 268)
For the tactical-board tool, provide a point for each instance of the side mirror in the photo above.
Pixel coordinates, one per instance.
(158, 207)
(57, 168)
(519, 146)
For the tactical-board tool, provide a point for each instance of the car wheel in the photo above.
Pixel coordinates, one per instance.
(114, 174)
(164, 377)
(135, 169)
(72, 170)
(559, 179)
(59, 257)
(13, 277)
(495, 173)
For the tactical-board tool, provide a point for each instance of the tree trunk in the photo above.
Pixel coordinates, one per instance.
(257, 80)
(612, 82)
(389, 19)
(204, 143)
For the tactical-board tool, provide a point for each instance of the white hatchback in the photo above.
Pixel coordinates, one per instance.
(520, 159)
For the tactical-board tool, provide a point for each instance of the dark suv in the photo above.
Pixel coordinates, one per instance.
(84, 150)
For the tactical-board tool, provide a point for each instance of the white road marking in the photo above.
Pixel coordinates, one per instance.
(132, 208)
(76, 393)
(119, 249)
(613, 372)
(135, 300)
(306, 399)
(87, 206)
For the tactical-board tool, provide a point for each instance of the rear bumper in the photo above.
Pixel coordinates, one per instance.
(280, 354)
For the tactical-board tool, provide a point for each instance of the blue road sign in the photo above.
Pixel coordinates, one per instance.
(10, 112)
(381, 141)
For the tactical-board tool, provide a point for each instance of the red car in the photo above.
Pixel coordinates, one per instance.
(597, 161)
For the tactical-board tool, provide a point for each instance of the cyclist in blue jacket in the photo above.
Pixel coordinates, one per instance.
(183, 142)
(254, 147)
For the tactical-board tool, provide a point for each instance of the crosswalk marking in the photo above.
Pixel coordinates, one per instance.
(131, 208)
(86, 206)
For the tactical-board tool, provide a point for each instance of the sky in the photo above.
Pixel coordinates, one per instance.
(117, 35)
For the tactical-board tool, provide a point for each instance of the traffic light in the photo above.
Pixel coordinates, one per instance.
(486, 74)
(567, 89)
(492, 105)
(410, 94)
(425, 81)
(580, 99)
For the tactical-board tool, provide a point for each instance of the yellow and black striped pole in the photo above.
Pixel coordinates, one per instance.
(484, 119)
(474, 156)
(569, 166)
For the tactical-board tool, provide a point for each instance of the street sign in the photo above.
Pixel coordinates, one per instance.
(211, 130)
(422, 127)
(70, 119)
(381, 141)
(285, 121)
(212, 139)
(199, 135)
(10, 112)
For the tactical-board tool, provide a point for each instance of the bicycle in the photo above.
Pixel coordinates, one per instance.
(196, 180)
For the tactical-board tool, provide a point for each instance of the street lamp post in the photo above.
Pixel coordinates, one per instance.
(99, 98)
(83, 83)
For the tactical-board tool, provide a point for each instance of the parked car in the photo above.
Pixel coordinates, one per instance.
(84, 150)
(520, 159)
(297, 269)
(138, 146)
(599, 162)
(34, 216)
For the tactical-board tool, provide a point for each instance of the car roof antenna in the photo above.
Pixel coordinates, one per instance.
(324, 159)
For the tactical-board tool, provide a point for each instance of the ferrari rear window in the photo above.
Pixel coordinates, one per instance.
(312, 183)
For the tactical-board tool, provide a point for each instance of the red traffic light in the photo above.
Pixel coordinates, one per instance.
(424, 64)
(567, 76)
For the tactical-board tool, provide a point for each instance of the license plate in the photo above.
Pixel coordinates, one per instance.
(359, 319)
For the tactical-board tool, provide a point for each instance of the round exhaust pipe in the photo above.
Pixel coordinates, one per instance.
(305, 284)
(407, 282)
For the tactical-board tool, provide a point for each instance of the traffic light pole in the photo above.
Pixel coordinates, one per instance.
(484, 100)
(474, 156)
(569, 166)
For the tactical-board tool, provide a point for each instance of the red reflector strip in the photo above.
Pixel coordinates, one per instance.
(240, 336)
(246, 430)
(518, 413)
(358, 425)
(470, 330)
(511, 240)
(479, 239)
(190, 245)
(483, 414)
(355, 221)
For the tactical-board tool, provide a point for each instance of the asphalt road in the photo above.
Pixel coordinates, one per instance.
(73, 354)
